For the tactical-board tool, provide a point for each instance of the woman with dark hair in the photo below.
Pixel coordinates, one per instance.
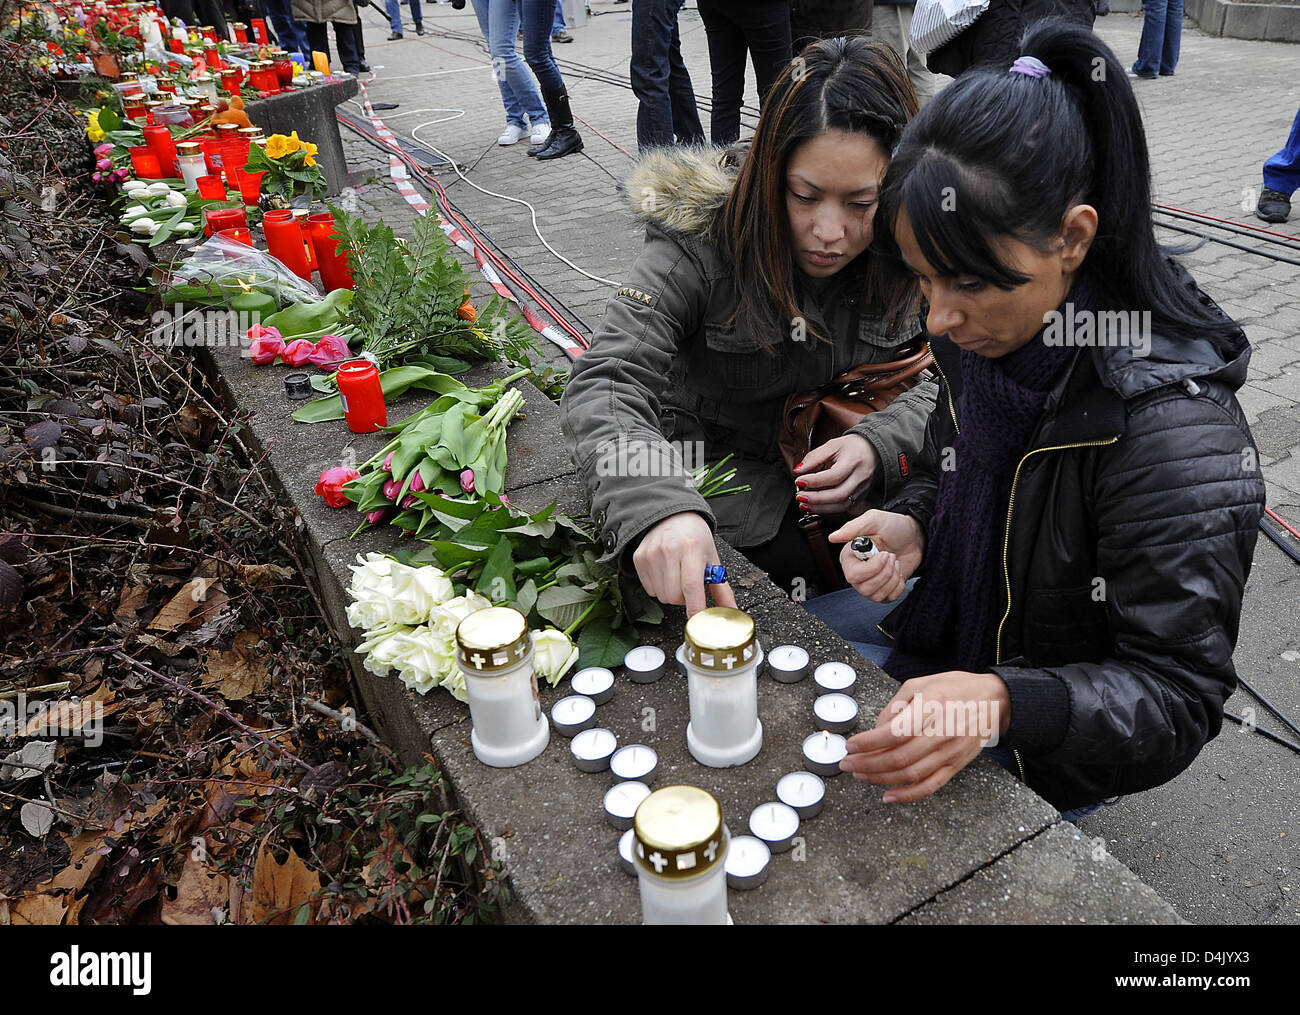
(753, 285)
(1084, 513)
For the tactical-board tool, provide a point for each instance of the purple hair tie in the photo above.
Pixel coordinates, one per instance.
(1030, 67)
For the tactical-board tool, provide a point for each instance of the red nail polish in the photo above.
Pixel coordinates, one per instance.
(801, 483)
(798, 467)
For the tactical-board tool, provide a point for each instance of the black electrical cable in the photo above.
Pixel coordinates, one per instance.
(1229, 243)
(1261, 731)
(1233, 227)
(1268, 705)
(1283, 543)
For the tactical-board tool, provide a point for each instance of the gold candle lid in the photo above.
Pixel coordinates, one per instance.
(189, 147)
(492, 639)
(720, 638)
(678, 832)
(201, 77)
(238, 24)
(228, 127)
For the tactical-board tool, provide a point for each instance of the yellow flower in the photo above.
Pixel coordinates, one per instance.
(310, 150)
(293, 143)
(93, 128)
(276, 146)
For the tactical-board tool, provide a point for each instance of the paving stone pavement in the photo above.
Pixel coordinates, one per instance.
(1222, 842)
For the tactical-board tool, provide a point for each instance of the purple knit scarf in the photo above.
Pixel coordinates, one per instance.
(950, 621)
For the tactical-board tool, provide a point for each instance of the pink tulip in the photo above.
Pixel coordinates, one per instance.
(417, 482)
(104, 164)
(467, 480)
(266, 346)
(331, 483)
(102, 149)
(330, 351)
(96, 177)
(410, 501)
(392, 488)
(377, 516)
(388, 462)
(297, 352)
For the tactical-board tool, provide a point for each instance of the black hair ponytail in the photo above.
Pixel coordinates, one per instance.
(1001, 153)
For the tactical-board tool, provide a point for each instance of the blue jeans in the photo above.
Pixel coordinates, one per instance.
(666, 113)
(292, 36)
(538, 17)
(1282, 171)
(1162, 32)
(499, 21)
(559, 25)
(394, 9)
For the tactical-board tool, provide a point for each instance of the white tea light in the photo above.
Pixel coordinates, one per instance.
(645, 664)
(776, 824)
(595, 682)
(822, 753)
(573, 714)
(788, 664)
(625, 860)
(748, 861)
(621, 802)
(835, 676)
(592, 749)
(635, 763)
(837, 713)
(803, 791)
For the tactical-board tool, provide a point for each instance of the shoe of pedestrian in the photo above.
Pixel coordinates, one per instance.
(561, 36)
(512, 134)
(364, 67)
(564, 140)
(1138, 77)
(541, 133)
(419, 28)
(1273, 206)
(394, 36)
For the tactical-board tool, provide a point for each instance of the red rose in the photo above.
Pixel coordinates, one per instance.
(331, 483)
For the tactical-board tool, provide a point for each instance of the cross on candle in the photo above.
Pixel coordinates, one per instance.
(659, 861)
(729, 660)
(711, 851)
(477, 660)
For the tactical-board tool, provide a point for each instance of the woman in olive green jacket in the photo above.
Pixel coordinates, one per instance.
(754, 283)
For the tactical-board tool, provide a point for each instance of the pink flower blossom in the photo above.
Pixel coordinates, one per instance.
(104, 164)
(410, 501)
(330, 351)
(467, 480)
(103, 149)
(265, 346)
(297, 352)
(331, 483)
(377, 516)
(96, 177)
(388, 462)
(392, 488)
(417, 482)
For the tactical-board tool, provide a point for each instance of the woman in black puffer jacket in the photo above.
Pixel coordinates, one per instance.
(1084, 514)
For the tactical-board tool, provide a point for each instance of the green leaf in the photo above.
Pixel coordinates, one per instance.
(497, 580)
(599, 645)
(526, 597)
(563, 604)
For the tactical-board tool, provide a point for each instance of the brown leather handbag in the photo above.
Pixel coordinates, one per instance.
(812, 418)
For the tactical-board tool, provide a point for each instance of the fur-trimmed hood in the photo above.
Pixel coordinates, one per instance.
(683, 189)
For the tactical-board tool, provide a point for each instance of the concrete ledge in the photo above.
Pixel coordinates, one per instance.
(310, 111)
(1265, 22)
(862, 861)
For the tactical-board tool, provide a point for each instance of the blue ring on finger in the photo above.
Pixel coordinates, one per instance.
(715, 574)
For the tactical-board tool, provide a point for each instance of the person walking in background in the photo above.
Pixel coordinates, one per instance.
(811, 20)
(316, 14)
(559, 31)
(291, 35)
(666, 113)
(1281, 179)
(498, 20)
(1162, 33)
(891, 21)
(394, 9)
(734, 28)
(538, 20)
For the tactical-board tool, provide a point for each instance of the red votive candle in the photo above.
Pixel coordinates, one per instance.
(242, 236)
(285, 241)
(331, 261)
(211, 188)
(159, 140)
(145, 163)
(250, 186)
(363, 397)
(219, 219)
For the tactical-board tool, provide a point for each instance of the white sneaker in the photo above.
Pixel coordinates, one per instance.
(512, 134)
(541, 131)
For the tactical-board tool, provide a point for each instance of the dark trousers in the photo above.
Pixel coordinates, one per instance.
(666, 113)
(811, 20)
(760, 29)
(290, 33)
(345, 36)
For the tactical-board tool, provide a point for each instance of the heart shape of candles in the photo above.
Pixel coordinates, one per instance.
(776, 824)
(621, 802)
(635, 763)
(823, 752)
(573, 714)
(835, 676)
(595, 682)
(748, 862)
(836, 712)
(592, 749)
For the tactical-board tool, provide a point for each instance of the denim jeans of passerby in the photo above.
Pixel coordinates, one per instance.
(394, 10)
(499, 22)
(292, 35)
(1282, 171)
(558, 25)
(666, 112)
(1162, 33)
(735, 30)
(538, 17)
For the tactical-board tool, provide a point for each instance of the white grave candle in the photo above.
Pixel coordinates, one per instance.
(822, 753)
(681, 658)
(748, 861)
(625, 859)
(573, 714)
(834, 676)
(635, 763)
(776, 824)
(591, 749)
(803, 791)
(645, 664)
(837, 713)
(788, 663)
(621, 802)
(595, 682)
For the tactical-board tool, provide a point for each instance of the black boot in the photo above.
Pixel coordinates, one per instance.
(564, 140)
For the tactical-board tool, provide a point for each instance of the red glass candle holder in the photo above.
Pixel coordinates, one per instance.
(250, 186)
(219, 219)
(285, 241)
(234, 156)
(259, 31)
(283, 68)
(241, 32)
(330, 260)
(209, 34)
(212, 56)
(176, 45)
(230, 81)
(240, 235)
(211, 188)
(134, 110)
(363, 396)
(145, 163)
(159, 140)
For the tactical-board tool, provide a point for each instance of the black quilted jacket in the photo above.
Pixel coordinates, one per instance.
(994, 38)
(1128, 540)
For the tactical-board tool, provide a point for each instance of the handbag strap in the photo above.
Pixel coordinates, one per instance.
(830, 579)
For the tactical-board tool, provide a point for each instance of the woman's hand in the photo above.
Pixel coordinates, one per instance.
(932, 728)
(832, 476)
(901, 543)
(670, 562)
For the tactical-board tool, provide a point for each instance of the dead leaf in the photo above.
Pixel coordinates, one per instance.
(84, 862)
(33, 759)
(129, 601)
(37, 818)
(198, 893)
(66, 717)
(262, 575)
(199, 599)
(239, 672)
(37, 911)
(281, 890)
